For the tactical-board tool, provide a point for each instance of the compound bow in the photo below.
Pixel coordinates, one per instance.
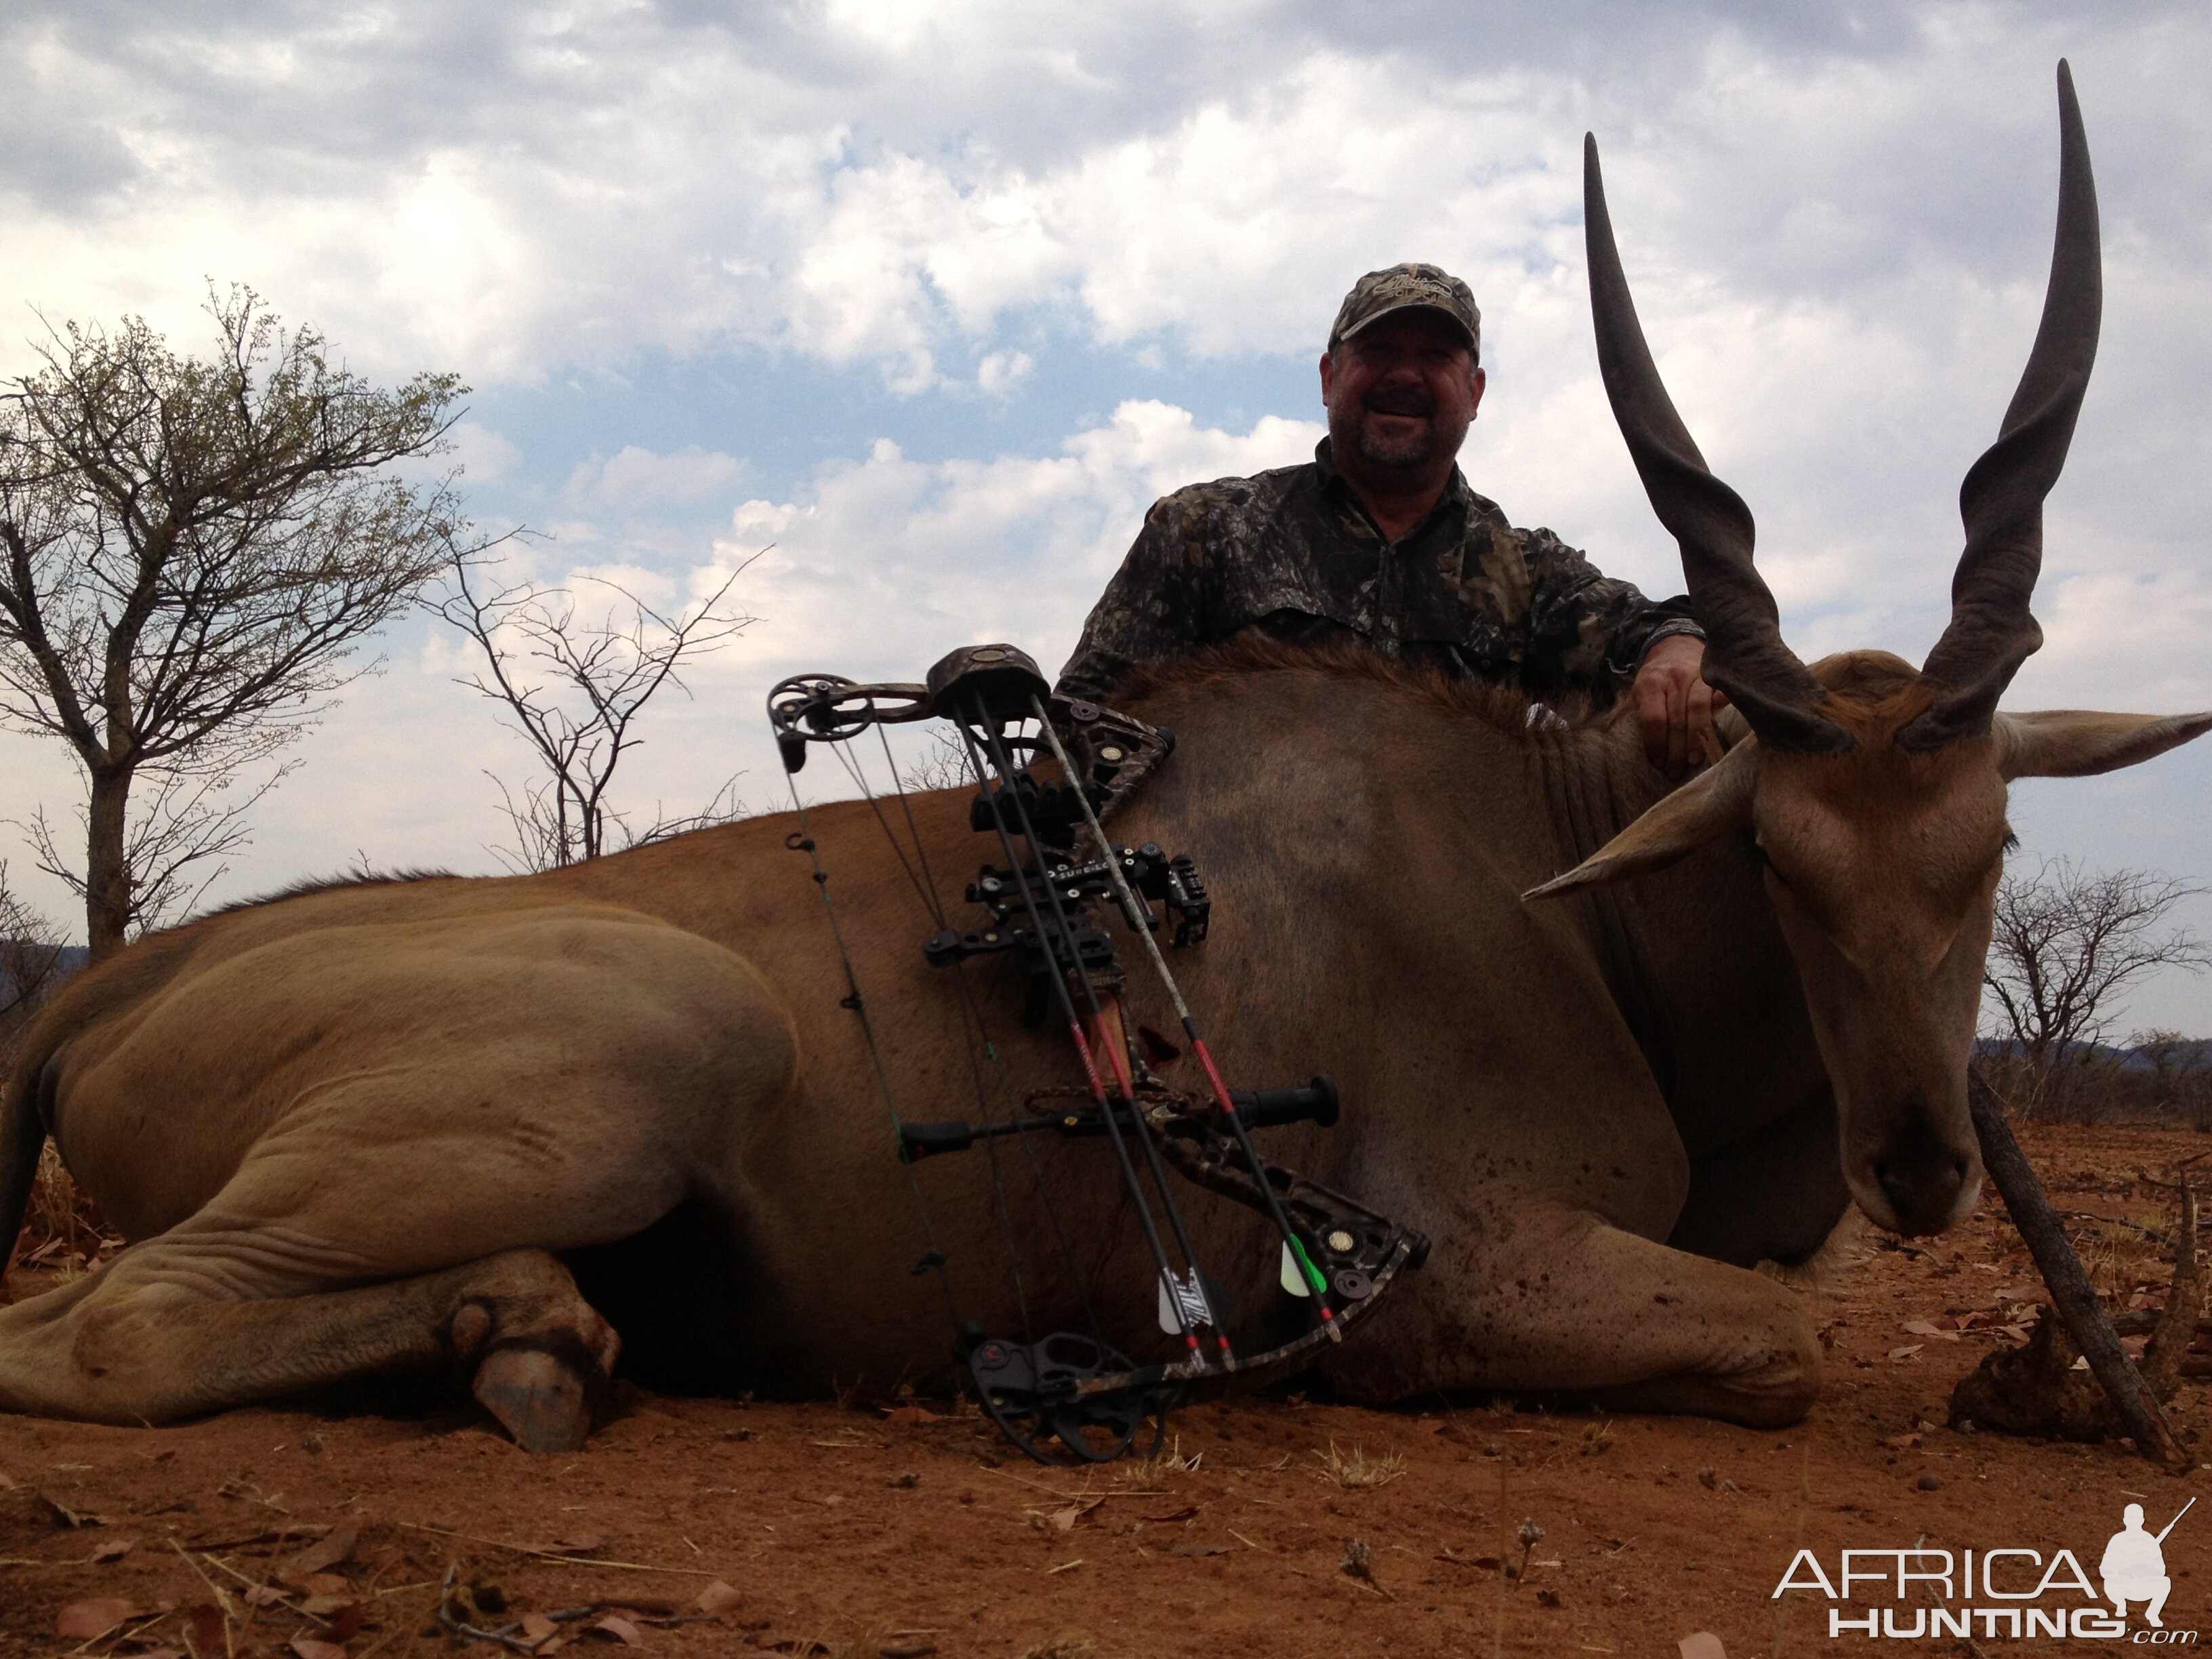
(1338, 1255)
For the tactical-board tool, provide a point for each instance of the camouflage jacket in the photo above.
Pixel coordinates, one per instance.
(1294, 554)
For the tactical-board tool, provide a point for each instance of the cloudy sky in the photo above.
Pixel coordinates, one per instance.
(932, 299)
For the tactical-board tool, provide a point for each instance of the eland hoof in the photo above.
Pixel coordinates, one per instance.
(539, 1397)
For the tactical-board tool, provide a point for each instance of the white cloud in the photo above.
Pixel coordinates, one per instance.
(998, 374)
(511, 192)
(886, 563)
(484, 456)
(637, 479)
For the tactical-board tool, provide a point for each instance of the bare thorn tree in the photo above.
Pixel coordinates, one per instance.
(176, 843)
(573, 687)
(2067, 942)
(190, 552)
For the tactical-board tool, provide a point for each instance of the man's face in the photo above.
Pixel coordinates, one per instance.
(1401, 392)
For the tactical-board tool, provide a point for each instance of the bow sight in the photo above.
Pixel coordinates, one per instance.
(1045, 907)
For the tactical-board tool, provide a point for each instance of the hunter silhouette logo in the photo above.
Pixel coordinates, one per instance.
(2134, 1566)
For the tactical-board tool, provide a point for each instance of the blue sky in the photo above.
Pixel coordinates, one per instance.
(936, 297)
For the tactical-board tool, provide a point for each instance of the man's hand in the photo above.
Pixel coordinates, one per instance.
(1676, 706)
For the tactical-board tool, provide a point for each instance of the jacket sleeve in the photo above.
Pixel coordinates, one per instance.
(1152, 609)
(1587, 630)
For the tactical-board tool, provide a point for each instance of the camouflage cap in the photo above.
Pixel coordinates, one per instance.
(1401, 288)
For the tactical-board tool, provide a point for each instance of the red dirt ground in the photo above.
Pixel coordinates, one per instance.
(843, 1532)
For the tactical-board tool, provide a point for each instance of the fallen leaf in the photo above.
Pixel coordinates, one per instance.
(309, 1647)
(911, 1414)
(584, 1543)
(81, 1621)
(321, 1607)
(209, 1627)
(1702, 1645)
(536, 1626)
(262, 1594)
(1902, 1442)
(1907, 1352)
(622, 1630)
(1926, 1328)
(343, 1622)
(112, 1549)
(325, 1583)
(325, 1552)
(718, 1599)
(1183, 1514)
(65, 1516)
(1065, 1520)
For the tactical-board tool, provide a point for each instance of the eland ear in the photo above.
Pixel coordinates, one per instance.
(1701, 812)
(2079, 743)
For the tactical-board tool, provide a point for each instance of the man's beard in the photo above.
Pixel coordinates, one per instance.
(1413, 450)
(1410, 451)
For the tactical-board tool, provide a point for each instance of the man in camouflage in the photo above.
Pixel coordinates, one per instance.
(1379, 540)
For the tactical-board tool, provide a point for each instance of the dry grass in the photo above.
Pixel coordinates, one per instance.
(1151, 1473)
(63, 1233)
(1356, 1469)
(2119, 1256)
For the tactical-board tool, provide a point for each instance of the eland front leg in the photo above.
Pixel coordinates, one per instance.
(1545, 1299)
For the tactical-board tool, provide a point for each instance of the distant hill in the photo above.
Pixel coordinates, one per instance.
(73, 957)
(2185, 1054)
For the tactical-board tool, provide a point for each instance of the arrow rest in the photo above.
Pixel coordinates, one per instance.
(1063, 1396)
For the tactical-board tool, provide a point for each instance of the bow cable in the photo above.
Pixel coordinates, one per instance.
(803, 842)
(927, 886)
(1137, 917)
(997, 799)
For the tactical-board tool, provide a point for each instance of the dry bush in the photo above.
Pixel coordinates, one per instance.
(2160, 1078)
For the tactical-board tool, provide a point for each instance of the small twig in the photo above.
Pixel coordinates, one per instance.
(399, 1625)
(276, 1595)
(566, 1560)
(1083, 1496)
(221, 1596)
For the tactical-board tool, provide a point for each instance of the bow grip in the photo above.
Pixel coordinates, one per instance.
(920, 1140)
(1264, 1108)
